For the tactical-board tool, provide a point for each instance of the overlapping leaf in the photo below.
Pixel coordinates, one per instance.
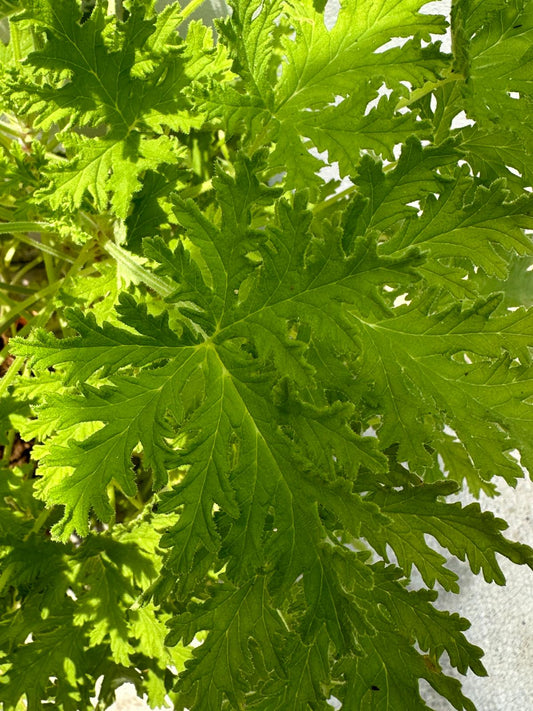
(419, 368)
(469, 224)
(72, 617)
(235, 395)
(234, 389)
(317, 66)
(466, 532)
(99, 82)
(493, 55)
(213, 388)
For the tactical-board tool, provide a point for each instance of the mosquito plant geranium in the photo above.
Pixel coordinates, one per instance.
(251, 393)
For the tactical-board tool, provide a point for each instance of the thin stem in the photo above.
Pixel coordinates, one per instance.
(137, 271)
(39, 522)
(8, 449)
(5, 213)
(334, 199)
(196, 190)
(114, 7)
(24, 305)
(14, 306)
(48, 261)
(41, 318)
(222, 146)
(16, 288)
(15, 40)
(25, 269)
(6, 301)
(190, 8)
(36, 39)
(19, 228)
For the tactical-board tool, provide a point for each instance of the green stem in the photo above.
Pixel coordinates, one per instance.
(139, 272)
(190, 8)
(222, 146)
(48, 261)
(333, 200)
(9, 447)
(19, 228)
(6, 301)
(15, 40)
(5, 213)
(10, 133)
(24, 305)
(16, 288)
(25, 269)
(39, 522)
(196, 190)
(36, 39)
(114, 7)
(42, 318)
(14, 306)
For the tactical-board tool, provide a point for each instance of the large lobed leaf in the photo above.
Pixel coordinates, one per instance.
(317, 375)
(251, 397)
(100, 84)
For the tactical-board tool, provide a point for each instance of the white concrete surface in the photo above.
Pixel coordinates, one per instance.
(501, 617)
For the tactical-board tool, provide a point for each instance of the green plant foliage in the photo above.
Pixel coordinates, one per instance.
(250, 395)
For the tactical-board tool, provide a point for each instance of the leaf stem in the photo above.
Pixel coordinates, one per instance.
(190, 8)
(114, 7)
(24, 305)
(8, 447)
(42, 317)
(39, 522)
(48, 262)
(25, 269)
(15, 40)
(196, 190)
(4, 286)
(9, 131)
(333, 200)
(138, 271)
(21, 227)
